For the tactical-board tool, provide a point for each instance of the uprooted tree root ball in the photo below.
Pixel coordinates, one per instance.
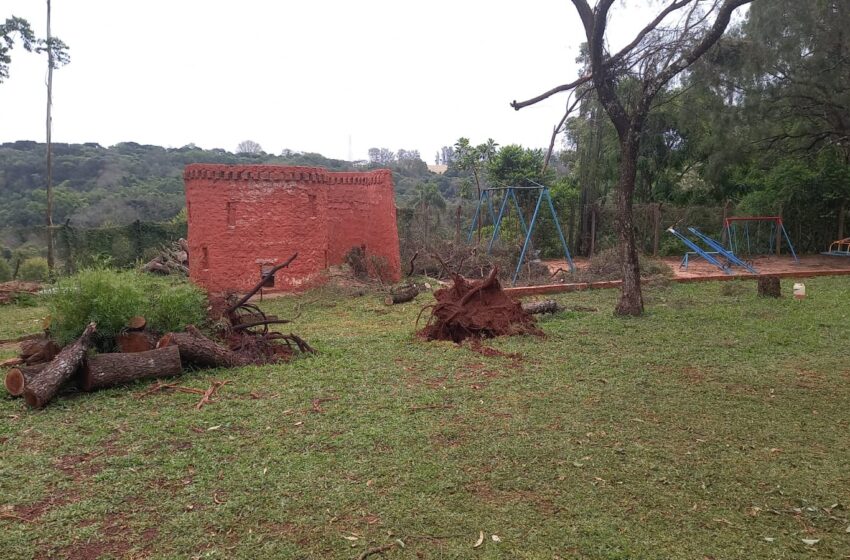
(479, 309)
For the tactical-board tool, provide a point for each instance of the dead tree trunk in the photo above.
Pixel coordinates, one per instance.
(107, 370)
(45, 385)
(198, 350)
(18, 377)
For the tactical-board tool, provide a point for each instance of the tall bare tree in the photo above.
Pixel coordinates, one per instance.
(51, 257)
(626, 84)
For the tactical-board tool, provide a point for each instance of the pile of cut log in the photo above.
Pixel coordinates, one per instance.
(173, 259)
(43, 368)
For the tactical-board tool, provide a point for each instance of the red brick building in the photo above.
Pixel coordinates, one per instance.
(246, 217)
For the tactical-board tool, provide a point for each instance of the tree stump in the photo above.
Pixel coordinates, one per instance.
(18, 377)
(768, 286)
(107, 370)
(40, 389)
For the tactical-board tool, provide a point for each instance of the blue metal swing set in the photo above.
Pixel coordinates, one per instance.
(510, 194)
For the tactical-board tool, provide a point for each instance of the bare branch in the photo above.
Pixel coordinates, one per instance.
(517, 105)
(717, 29)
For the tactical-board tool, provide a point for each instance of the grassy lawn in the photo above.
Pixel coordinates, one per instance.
(714, 427)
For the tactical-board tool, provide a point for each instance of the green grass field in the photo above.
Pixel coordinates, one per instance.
(715, 427)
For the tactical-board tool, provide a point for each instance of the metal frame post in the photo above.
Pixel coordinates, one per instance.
(498, 221)
(528, 236)
(558, 227)
(788, 241)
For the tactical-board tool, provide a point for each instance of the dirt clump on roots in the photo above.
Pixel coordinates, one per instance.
(476, 309)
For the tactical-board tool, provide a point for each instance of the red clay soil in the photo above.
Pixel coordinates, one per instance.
(701, 271)
(478, 309)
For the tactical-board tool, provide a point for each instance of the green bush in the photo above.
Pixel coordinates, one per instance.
(5, 270)
(110, 298)
(175, 305)
(34, 269)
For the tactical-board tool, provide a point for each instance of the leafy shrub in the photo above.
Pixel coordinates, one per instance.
(175, 305)
(34, 269)
(110, 298)
(5, 270)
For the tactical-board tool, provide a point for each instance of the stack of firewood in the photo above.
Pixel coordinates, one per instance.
(173, 259)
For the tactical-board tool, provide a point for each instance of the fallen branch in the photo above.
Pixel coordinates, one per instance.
(266, 322)
(258, 287)
(317, 404)
(209, 393)
(160, 386)
(412, 261)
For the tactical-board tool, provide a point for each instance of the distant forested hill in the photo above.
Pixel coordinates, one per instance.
(96, 186)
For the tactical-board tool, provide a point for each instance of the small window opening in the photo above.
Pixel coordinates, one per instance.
(265, 269)
(231, 215)
(312, 202)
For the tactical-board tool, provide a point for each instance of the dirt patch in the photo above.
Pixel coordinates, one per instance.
(476, 309)
(91, 550)
(693, 375)
(32, 512)
(81, 466)
(809, 379)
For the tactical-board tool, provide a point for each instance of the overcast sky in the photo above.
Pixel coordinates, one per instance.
(304, 75)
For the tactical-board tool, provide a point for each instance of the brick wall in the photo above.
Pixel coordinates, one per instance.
(242, 217)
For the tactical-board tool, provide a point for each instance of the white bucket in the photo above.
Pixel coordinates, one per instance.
(799, 290)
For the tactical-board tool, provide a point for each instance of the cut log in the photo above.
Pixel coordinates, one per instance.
(402, 295)
(44, 387)
(539, 307)
(196, 349)
(136, 341)
(11, 362)
(768, 286)
(39, 351)
(42, 346)
(108, 370)
(136, 323)
(16, 378)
